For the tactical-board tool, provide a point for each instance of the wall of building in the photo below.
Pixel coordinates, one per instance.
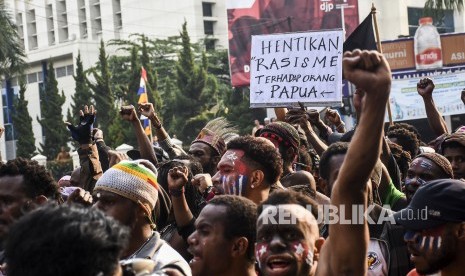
(56, 30)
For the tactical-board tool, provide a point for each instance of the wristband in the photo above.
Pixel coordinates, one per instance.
(176, 192)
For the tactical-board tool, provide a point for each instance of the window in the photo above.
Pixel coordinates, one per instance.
(70, 70)
(209, 44)
(444, 23)
(207, 9)
(208, 27)
(31, 77)
(61, 72)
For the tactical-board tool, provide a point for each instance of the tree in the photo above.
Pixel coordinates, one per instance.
(53, 128)
(11, 51)
(234, 104)
(152, 81)
(82, 95)
(103, 96)
(444, 4)
(22, 122)
(191, 110)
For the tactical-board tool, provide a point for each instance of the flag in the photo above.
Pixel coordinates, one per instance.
(146, 123)
(362, 37)
(142, 92)
(143, 82)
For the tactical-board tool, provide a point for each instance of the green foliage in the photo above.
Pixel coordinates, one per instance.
(195, 86)
(55, 132)
(59, 169)
(82, 94)
(22, 122)
(444, 4)
(103, 96)
(11, 51)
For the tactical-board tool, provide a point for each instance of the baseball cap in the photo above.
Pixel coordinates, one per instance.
(435, 203)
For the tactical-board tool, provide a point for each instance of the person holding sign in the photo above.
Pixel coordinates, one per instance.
(345, 251)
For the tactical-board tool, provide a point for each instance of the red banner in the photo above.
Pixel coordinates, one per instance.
(256, 17)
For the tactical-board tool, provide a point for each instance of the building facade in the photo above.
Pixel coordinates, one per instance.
(56, 30)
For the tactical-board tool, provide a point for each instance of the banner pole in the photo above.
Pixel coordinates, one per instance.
(380, 49)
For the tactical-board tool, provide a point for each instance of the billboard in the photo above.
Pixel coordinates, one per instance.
(258, 17)
(401, 57)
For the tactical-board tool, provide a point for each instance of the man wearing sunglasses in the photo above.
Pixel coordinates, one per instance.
(435, 224)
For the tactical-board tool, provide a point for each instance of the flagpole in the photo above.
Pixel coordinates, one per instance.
(380, 49)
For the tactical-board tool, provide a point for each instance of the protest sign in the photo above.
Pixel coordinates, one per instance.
(296, 67)
(406, 104)
(260, 17)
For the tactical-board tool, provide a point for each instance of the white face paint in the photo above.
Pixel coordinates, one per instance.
(425, 164)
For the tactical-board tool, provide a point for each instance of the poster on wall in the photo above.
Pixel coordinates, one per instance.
(258, 17)
(406, 104)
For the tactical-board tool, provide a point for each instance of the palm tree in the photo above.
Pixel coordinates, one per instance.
(11, 51)
(441, 5)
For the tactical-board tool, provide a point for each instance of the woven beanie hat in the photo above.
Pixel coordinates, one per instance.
(282, 132)
(135, 180)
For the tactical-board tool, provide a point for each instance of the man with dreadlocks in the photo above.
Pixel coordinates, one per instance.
(128, 192)
(210, 144)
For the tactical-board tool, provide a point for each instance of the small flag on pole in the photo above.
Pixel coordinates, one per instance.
(143, 82)
(142, 92)
(363, 37)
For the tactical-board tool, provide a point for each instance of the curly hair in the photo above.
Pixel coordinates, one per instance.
(401, 156)
(290, 197)
(240, 219)
(408, 127)
(262, 154)
(36, 179)
(333, 149)
(407, 139)
(65, 240)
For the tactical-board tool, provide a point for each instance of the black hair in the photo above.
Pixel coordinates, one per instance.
(407, 139)
(408, 127)
(402, 158)
(289, 196)
(37, 180)
(262, 154)
(240, 219)
(65, 240)
(334, 149)
(194, 199)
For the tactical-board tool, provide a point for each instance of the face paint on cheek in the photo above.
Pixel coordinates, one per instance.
(426, 243)
(261, 253)
(241, 183)
(302, 251)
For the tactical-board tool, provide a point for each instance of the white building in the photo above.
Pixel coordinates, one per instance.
(57, 29)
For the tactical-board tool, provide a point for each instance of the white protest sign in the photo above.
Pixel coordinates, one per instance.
(406, 104)
(296, 67)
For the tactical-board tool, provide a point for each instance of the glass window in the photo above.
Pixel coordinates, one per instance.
(61, 72)
(444, 23)
(70, 70)
(208, 27)
(31, 78)
(207, 9)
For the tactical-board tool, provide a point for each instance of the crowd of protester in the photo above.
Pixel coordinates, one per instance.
(285, 200)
